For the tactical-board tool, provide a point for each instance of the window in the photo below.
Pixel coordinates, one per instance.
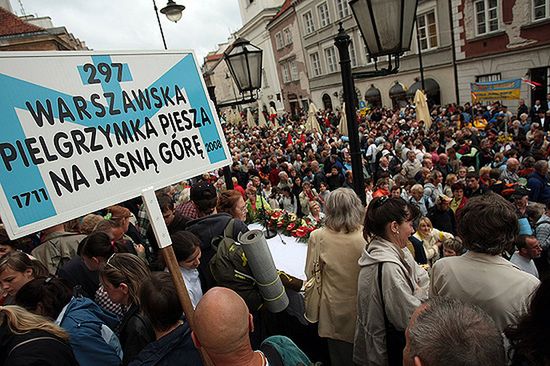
(286, 72)
(352, 54)
(315, 64)
(486, 16)
(487, 78)
(330, 56)
(294, 70)
(279, 40)
(324, 17)
(290, 71)
(541, 9)
(342, 8)
(287, 35)
(427, 30)
(370, 61)
(308, 23)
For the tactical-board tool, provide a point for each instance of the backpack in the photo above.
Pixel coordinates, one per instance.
(282, 351)
(229, 268)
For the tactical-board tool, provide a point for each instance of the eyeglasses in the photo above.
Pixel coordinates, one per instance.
(107, 263)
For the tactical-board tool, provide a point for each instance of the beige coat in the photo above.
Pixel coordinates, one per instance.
(339, 254)
(405, 286)
(431, 249)
(57, 249)
(490, 282)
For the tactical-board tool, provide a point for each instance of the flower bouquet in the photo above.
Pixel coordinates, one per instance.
(290, 224)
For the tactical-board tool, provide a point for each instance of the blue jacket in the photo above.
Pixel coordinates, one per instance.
(540, 190)
(175, 348)
(91, 337)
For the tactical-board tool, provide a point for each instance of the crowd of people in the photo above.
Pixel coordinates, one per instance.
(445, 263)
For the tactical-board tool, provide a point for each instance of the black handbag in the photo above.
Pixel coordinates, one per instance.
(395, 339)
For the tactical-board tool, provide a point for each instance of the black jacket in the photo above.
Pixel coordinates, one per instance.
(443, 220)
(175, 348)
(41, 348)
(135, 332)
(207, 228)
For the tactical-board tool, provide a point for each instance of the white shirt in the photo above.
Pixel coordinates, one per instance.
(526, 265)
(371, 153)
(193, 284)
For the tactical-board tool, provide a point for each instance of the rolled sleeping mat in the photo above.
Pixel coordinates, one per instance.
(263, 268)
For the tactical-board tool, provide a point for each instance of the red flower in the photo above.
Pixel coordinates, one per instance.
(301, 232)
(291, 226)
(276, 214)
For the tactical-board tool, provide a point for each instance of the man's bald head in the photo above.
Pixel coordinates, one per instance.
(512, 164)
(222, 321)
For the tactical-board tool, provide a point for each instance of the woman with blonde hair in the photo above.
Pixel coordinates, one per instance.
(431, 239)
(29, 339)
(122, 276)
(334, 250)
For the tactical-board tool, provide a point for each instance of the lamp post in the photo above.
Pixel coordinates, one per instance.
(173, 13)
(386, 27)
(244, 61)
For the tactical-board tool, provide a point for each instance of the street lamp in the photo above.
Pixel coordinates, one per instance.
(244, 61)
(173, 13)
(386, 27)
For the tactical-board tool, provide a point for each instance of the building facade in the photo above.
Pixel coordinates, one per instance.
(256, 15)
(30, 33)
(319, 22)
(286, 41)
(493, 40)
(499, 40)
(217, 76)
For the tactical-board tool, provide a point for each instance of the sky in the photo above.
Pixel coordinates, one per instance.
(132, 24)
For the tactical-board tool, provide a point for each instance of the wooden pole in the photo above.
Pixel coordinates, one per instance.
(181, 289)
(165, 244)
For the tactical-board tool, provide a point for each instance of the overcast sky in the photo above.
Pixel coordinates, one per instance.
(132, 24)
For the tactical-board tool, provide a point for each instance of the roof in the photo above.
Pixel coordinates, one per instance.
(287, 4)
(10, 24)
(214, 57)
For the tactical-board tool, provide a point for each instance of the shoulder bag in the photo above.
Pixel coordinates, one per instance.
(395, 339)
(313, 288)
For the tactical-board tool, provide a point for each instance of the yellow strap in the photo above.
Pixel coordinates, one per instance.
(268, 284)
(278, 297)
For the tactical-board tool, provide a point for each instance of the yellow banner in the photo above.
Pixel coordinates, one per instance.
(496, 90)
(509, 94)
